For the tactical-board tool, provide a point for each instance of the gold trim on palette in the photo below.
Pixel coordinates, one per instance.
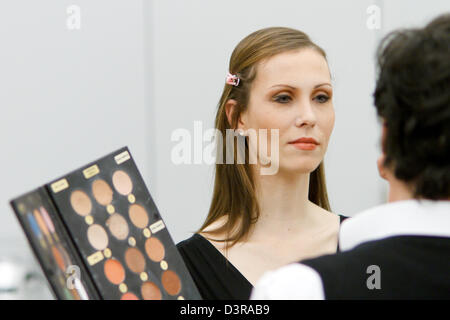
(22, 208)
(95, 258)
(43, 243)
(89, 220)
(123, 288)
(59, 185)
(180, 298)
(107, 252)
(147, 233)
(144, 276)
(157, 226)
(132, 241)
(122, 157)
(91, 171)
(164, 265)
(131, 198)
(62, 281)
(110, 208)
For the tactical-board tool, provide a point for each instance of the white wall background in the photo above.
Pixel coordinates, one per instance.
(139, 69)
(67, 97)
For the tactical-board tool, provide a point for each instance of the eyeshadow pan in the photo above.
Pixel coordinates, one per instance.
(150, 291)
(58, 256)
(75, 294)
(138, 215)
(102, 192)
(40, 222)
(129, 296)
(135, 260)
(68, 294)
(114, 271)
(97, 237)
(154, 249)
(171, 282)
(34, 226)
(122, 182)
(47, 219)
(118, 226)
(80, 202)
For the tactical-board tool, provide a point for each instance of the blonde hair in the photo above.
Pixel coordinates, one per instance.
(234, 186)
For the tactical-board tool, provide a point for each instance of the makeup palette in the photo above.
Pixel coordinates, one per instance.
(49, 241)
(102, 222)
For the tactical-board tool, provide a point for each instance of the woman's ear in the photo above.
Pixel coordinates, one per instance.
(230, 108)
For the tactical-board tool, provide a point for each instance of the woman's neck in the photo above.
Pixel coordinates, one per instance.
(283, 203)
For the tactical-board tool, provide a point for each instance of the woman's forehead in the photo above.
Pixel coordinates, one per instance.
(295, 68)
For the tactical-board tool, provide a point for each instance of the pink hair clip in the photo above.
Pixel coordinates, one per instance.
(232, 79)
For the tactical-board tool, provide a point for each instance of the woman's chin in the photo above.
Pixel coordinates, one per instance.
(299, 168)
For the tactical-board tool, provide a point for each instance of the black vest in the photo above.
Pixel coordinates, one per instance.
(398, 267)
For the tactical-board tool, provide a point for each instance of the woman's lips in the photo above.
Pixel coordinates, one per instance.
(304, 146)
(305, 143)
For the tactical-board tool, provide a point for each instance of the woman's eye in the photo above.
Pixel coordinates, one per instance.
(322, 98)
(283, 98)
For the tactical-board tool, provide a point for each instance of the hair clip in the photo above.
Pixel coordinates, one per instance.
(232, 79)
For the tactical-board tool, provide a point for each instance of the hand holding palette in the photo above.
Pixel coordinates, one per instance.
(98, 235)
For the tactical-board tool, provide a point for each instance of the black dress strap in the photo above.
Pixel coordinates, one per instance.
(341, 219)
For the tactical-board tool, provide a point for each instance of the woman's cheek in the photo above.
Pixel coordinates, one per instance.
(329, 123)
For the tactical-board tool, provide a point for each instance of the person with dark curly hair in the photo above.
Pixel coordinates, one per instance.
(399, 250)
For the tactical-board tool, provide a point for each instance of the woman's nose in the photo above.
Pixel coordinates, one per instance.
(305, 115)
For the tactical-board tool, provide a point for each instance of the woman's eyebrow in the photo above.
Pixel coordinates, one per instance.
(283, 85)
(322, 84)
(294, 88)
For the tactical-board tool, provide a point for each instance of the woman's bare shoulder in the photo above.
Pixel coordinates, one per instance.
(326, 220)
(323, 212)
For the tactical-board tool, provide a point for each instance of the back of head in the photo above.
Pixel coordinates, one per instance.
(412, 97)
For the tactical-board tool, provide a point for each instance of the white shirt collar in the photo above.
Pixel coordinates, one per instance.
(407, 217)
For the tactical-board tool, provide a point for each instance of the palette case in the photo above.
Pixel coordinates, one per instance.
(98, 234)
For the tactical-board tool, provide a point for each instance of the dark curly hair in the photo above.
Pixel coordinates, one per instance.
(412, 97)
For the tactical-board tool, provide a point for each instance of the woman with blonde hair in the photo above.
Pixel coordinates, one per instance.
(278, 81)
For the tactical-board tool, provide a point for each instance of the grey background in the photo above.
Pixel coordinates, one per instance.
(138, 70)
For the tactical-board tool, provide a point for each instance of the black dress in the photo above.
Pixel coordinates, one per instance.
(216, 278)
